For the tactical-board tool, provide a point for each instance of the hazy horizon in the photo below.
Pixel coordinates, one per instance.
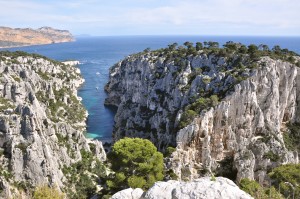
(154, 17)
(184, 35)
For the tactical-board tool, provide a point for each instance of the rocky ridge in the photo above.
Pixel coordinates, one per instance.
(10, 37)
(223, 109)
(203, 188)
(41, 123)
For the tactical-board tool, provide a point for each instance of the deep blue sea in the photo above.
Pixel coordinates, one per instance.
(97, 54)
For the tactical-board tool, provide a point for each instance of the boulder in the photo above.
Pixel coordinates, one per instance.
(128, 194)
(202, 188)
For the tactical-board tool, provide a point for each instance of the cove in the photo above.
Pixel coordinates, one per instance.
(98, 54)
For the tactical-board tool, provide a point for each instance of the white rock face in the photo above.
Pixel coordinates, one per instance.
(203, 188)
(244, 127)
(162, 190)
(257, 109)
(128, 194)
(35, 142)
(71, 63)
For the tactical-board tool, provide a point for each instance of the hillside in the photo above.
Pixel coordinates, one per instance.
(10, 37)
(41, 129)
(229, 111)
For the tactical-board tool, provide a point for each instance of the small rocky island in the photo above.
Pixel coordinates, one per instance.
(10, 37)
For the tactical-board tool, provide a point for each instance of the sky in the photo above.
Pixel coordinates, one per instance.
(156, 17)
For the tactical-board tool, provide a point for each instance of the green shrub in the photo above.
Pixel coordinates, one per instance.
(257, 191)
(43, 75)
(136, 181)
(5, 173)
(92, 147)
(5, 104)
(169, 151)
(272, 156)
(192, 110)
(213, 178)
(45, 192)
(22, 146)
(252, 187)
(83, 177)
(17, 79)
(138, 161)
(186, 118)
(288, 178)
(292, 138)
(170, 175)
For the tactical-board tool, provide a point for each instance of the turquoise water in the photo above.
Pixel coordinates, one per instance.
(97, 54)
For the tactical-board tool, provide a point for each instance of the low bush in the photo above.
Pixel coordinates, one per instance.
(257, 191)
(45, 192)
(287, 177)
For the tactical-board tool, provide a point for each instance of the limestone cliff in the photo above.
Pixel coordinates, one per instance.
(225, 110)
(41, 122)
(10, 37)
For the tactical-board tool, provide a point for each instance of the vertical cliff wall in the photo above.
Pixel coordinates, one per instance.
(248, 126)
(41, 122)
(223, 109)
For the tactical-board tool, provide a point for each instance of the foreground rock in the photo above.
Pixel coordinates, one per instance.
(128, 194)
(41, 123)
(223, 113)
(10, 37)
(203, 188)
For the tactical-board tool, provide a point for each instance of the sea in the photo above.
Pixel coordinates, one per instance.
(97, 54)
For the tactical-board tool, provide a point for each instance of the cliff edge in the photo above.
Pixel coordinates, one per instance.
(224, 110)
(41, 125)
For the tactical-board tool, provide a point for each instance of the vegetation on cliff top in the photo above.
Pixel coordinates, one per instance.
(239, 63)
(58, 110)
(245, 54)
(16, 54)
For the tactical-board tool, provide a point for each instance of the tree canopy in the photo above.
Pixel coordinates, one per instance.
(136, 163)
(287, 177)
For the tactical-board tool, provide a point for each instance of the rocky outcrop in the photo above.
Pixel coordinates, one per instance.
(247, 125)
(173, 101)
(10, 37)
(203, 188)
(41, 122)
(128, 194)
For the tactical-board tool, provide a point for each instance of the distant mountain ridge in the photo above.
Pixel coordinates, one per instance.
(13, 37)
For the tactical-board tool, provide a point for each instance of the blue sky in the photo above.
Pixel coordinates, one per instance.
(156, 17)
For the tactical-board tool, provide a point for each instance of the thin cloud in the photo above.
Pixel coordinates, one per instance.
(160, 17)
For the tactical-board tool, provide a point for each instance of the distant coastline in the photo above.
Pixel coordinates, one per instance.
(27, 45)
(11, 38)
